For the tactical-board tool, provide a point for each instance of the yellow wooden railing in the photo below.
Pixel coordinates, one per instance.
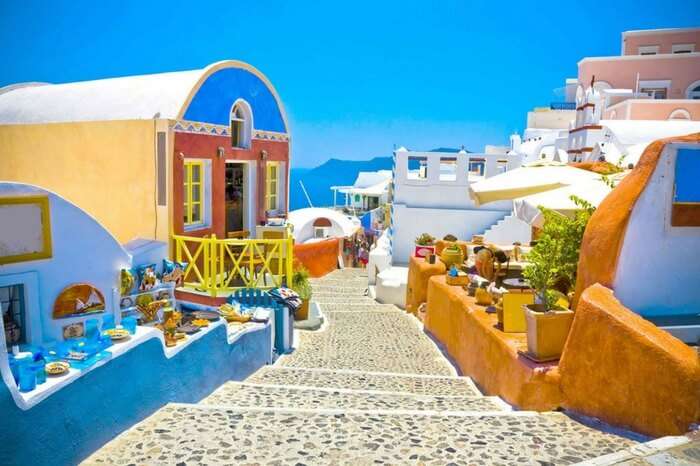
(220, 265)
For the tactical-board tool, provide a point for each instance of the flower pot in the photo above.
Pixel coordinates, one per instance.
(452, 256)
(546, 331)
(422, 250)
(303, 312)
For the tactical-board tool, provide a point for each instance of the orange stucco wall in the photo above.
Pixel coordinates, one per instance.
(664, 39)
(319, 258)
(487, 354)
(634, 109)
(605, 232)
(419, 272)
(623, 369)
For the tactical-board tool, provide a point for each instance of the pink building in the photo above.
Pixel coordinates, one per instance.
(657, 77)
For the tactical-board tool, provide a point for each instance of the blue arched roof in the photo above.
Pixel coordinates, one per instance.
(213, 101)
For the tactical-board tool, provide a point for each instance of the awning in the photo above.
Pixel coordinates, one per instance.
(530, 179)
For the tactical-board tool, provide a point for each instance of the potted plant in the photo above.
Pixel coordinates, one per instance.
(425, 244)
(302, 287)
(552, 273)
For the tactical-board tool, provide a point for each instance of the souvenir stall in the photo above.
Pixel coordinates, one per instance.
(90, 329)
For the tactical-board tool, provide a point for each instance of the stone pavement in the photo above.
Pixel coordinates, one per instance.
(369, 387)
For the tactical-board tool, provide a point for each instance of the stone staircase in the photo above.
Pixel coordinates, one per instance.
(508, 230)
(370, 387)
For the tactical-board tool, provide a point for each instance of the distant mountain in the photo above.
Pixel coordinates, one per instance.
(333, 172)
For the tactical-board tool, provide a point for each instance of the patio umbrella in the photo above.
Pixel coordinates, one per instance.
(594, 191)
(529, 179)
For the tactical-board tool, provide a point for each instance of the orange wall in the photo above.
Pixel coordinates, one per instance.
(319, 258)
(652, 109)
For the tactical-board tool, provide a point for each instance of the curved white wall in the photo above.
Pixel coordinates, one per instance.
(83, 252)
(659, 265)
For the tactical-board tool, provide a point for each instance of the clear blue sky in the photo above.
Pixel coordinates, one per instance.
(356, 77)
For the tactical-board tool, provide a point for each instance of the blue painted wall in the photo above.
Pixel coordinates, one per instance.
(213, 102)
(77, 420)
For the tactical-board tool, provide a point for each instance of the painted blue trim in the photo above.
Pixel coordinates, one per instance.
(74, 422)
(213, 101)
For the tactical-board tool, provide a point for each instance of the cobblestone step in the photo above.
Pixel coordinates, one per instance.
(365, 307)
(367, 381)
(379, 341)
(245, 394)
(201, 434)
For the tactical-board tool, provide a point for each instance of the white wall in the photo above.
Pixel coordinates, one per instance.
(83, 252)
(659, 265)
(411, 222)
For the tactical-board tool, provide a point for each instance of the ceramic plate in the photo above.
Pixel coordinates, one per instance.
(57, 368)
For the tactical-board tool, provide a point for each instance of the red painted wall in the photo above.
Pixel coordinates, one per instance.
(205, 146)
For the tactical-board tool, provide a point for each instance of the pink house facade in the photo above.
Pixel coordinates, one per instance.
(657, 77)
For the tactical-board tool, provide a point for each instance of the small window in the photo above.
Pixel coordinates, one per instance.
(476, 167)
(649, 50)
(655, 92)
(271, 185)
(240, 125)
(694, 93)
(501, 166)
(686, 189)
(448, 169)
(683, 48)
(193, 195)
(13, 318)
(417, 168)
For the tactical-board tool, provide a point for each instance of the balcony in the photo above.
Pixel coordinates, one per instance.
(562, 106)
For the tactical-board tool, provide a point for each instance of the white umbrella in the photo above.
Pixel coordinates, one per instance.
(530, 179)
(593, 191)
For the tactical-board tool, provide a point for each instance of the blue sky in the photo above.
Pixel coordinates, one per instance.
(356, 77)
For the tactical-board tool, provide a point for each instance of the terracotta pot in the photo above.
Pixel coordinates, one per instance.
(452, 256)
(303, 312)
(546, 331)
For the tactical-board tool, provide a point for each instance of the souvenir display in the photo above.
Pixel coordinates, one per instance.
(147, 277)
(232, 313)
(57, 368)
(77, 300)
(117, 334)
(149, 308)
(126, 302)
(188, 329)
(200, 322)
(174, 272)
(75, 330)
(171, 321)
(212, 316)
(127, 281)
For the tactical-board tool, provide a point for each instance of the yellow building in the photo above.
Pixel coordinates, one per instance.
(193, 152)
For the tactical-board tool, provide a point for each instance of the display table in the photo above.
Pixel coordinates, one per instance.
(485, 353)
(419, 271)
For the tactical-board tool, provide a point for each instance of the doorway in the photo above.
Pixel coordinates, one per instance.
(235, 197)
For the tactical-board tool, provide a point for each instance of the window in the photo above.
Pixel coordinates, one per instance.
(686, 190)
(193, 195)
(271, 181)
(448, 169)
(12, 307)
(241, 124)
(679, 114)
(417, 168)
(648, 49)
(683, 48)
(694, 93)
(655, 92)
(476, 167)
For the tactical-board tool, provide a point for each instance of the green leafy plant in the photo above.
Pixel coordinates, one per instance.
(300, 283)
(554, 259)
(425, 240)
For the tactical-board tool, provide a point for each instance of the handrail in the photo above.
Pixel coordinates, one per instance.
(224, 265)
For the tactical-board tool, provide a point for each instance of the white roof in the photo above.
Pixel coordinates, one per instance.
(367, 179)
(129, 98)
(629, 132)
(374, 190)
(303, 218)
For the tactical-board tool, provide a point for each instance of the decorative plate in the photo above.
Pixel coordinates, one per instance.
(200, 322)
(126, 302)
(57, 368)
(117, 334)
(208, 315)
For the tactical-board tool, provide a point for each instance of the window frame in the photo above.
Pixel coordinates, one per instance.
(242, 131)
(269, 195)
(648, 50)
(683, 48)
(188, 203)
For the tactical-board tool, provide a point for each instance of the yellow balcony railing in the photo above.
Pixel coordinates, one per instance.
(217, 265)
